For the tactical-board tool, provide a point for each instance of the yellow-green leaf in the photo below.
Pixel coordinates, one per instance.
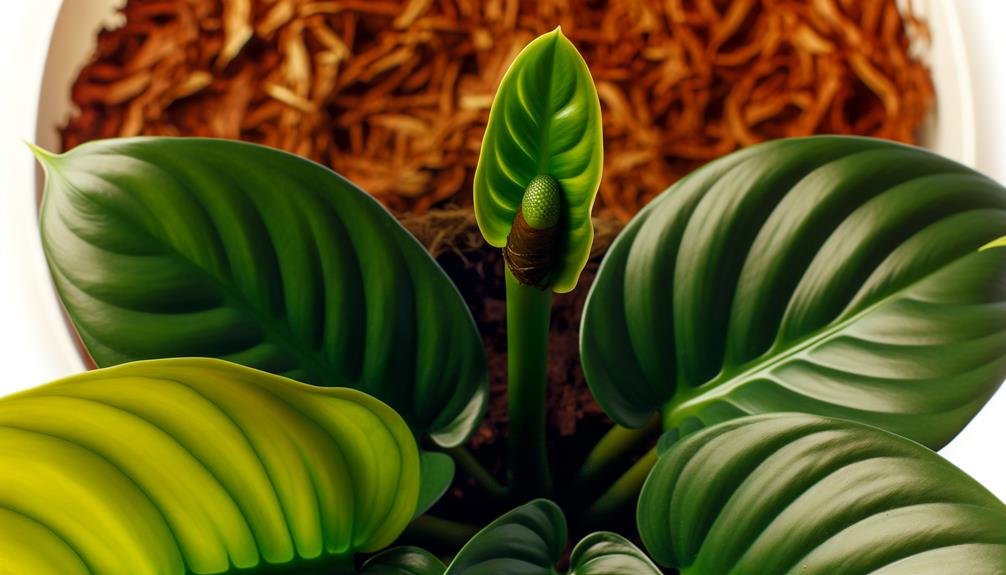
(188, 466)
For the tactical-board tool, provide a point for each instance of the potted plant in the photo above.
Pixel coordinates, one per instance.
(288, 377)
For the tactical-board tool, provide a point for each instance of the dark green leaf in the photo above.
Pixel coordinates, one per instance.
(165, 247)
(666, 440)
(545, 120)
(797, 493)
(198, 466)
(526, 541)
(437, 472)
(605, 553)
(404, 561)
(530, 539)
(830, 275)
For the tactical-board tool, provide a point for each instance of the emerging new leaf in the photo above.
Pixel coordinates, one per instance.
(540, 164)
(831, 275)
(796, 493)
(186, 466)
(165, 247)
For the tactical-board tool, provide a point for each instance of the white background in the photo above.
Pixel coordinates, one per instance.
(31, 353)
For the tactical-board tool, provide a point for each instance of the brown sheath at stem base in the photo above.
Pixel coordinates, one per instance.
(530, 252)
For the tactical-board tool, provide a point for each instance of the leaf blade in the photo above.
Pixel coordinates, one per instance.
(404, 561)
(606, 553)
(545, 120)
(525, 541)
(783, 493)
(116, 463)
(436, 475)
(826, 311)
(165, 247)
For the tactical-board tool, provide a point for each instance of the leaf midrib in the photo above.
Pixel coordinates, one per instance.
(273, 328)
(690, 400)
(544, 138)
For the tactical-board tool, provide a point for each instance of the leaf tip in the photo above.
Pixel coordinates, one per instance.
(557, 35)
(997, 243)
(41, 154)
(555, 38)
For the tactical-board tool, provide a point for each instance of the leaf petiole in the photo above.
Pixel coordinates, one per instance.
(617, 445)
(623, 493)
(528, 313)
(467, 462)
(429, 530)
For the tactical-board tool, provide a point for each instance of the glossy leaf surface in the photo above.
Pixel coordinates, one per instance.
(798, 493)
(404, 561)
(187, 466)
(436, 474)
(545, 120)
(526, 541)
(165, 247)
(530, 540)
(830, 275)
(605, 553)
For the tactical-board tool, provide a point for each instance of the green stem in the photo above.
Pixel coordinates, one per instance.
(474, 470)
(527, 314)
(623, 493)
(617, 445)
(430, 530)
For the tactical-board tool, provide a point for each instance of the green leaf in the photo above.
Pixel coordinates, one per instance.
(199, 466)
(526, 541)
(404, 561)
(831, 275)
(605, 553)
(545, 120)
(797, 493)
(531, 538)
(437, 473)
(164, 247)
(996, 243)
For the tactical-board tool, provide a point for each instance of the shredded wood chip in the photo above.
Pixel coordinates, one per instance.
(395, 94)
(237, 29)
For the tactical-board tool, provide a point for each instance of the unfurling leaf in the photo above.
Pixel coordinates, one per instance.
(544, 135)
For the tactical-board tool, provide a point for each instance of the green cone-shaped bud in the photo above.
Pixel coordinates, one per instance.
(541, 202)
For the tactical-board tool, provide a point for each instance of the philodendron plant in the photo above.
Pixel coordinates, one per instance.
(288, 379)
